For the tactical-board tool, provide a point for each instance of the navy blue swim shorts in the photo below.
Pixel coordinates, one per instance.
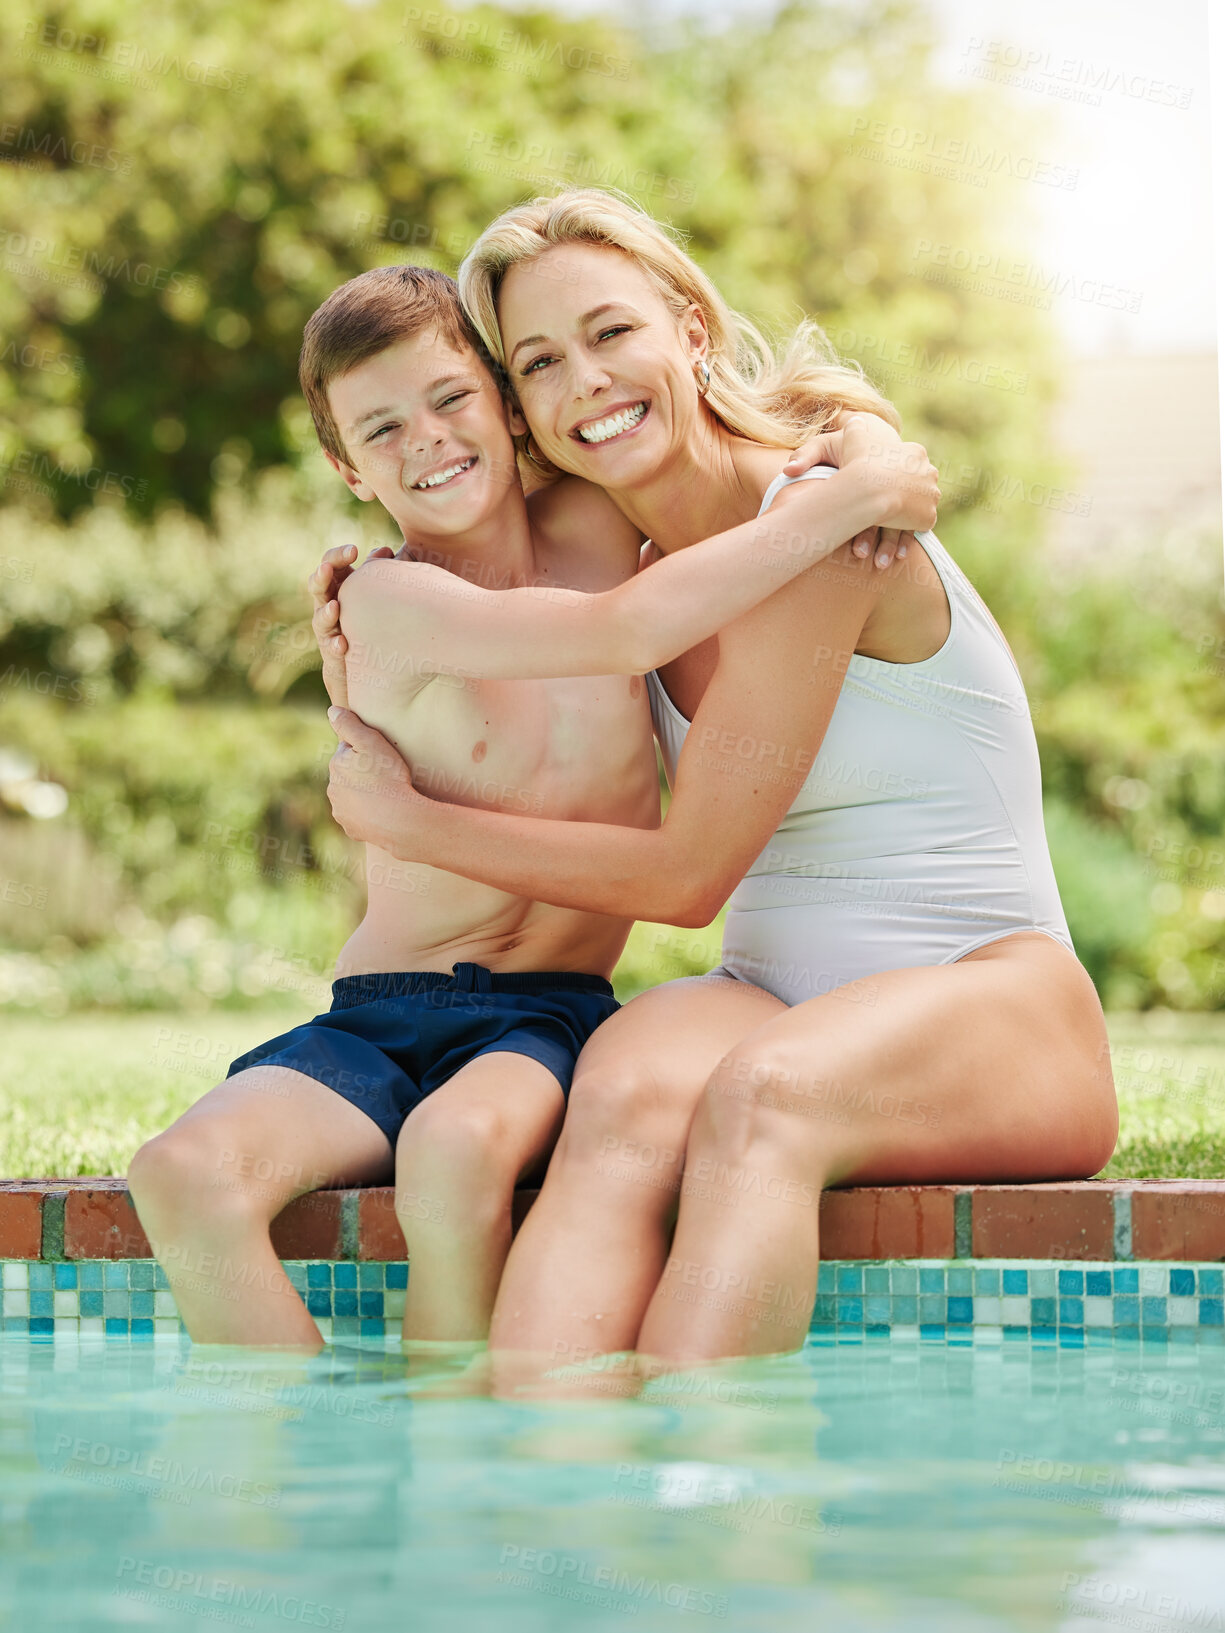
(388, 1041)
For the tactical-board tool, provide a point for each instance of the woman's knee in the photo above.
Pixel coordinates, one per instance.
(624, 1112)
(756, 1093)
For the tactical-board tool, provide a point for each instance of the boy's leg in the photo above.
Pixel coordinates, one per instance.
(458, 1159)
(208, 1189)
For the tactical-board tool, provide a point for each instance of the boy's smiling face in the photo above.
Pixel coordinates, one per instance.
(427, 434)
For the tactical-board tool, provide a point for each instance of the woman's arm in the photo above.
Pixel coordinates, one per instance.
(753, 740)
(434, 619)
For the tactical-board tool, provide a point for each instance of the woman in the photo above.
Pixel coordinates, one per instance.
(899, 1001)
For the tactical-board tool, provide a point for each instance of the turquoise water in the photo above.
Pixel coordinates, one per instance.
(884, 1485)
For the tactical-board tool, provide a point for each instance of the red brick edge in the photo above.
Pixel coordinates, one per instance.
(1086, 1219)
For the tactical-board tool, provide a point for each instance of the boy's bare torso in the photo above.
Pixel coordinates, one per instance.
(567, 749)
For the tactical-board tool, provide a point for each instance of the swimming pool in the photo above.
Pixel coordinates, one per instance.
(887, 1483)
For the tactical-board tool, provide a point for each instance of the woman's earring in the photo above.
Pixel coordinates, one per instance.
(701, 370)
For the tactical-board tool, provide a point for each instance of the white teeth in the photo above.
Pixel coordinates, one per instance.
(440, 477)
(613, 426)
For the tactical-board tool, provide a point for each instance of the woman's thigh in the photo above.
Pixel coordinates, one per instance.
(996, 1067)
(640, 1074)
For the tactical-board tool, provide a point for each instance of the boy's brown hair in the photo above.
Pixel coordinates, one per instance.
(367, 315)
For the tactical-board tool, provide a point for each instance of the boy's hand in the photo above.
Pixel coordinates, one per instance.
(324, 585)
(370, 788)
(867, 432)
(905, 476)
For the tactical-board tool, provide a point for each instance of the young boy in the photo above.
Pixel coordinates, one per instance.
(458, 1010)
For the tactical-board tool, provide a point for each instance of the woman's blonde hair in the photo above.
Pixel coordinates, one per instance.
(777, 397)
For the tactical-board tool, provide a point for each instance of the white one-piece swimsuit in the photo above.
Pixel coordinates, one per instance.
(917, 835)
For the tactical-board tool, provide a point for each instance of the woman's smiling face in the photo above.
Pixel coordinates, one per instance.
(602, 368)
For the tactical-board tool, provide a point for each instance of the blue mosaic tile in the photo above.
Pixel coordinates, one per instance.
(161, 1282)
(827, 1281)
(857, 1299)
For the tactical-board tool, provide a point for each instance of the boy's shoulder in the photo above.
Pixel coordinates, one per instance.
(578, 518)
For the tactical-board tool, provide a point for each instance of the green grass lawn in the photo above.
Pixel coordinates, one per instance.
(79, 1094)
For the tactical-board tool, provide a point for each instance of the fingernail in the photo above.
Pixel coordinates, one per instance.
(333, 715)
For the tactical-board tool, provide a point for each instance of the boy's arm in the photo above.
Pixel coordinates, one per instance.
(437, 621)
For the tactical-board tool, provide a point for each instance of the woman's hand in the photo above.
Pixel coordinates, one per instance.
(324, 586)
(370, 788)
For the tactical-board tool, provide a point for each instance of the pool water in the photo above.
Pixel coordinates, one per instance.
(887, 1484)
